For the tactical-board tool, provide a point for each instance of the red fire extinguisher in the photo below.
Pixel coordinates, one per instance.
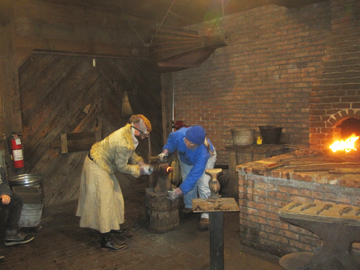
(16, 150)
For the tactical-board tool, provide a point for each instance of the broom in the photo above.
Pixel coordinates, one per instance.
(126, 109)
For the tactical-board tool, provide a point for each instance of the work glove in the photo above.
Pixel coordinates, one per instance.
(161, 156)
(146, 169)
(174, 194)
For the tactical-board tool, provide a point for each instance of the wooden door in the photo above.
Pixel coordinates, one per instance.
(67, 94)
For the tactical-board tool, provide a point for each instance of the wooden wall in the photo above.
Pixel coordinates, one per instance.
(50, 86)
(29, 26)
(65, 94)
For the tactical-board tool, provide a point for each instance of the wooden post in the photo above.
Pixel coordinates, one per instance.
(167, 103)
(63, 143)
(9, 84)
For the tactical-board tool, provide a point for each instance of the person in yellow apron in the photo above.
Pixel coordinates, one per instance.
(101, 203)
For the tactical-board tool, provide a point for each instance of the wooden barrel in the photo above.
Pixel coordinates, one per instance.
(162, 214)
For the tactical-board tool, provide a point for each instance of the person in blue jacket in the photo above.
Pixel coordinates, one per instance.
(196, 153)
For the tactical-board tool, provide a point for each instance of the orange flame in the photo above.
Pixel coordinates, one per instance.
(169, 169)
(346, 145)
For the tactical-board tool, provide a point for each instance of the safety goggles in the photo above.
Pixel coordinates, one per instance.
(145, 132)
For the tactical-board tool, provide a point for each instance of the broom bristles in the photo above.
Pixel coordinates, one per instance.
(126, 109)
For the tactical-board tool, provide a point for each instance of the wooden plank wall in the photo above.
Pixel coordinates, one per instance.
(66, 94)
(59, 27)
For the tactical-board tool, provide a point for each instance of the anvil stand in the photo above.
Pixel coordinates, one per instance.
(215, 206)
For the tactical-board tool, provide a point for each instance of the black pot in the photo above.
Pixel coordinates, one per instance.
(270, 134)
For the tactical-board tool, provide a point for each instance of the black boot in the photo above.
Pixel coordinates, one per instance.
(13, 237)
(120, 232)
(109, 243)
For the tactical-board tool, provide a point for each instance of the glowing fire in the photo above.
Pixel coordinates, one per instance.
(346, 145)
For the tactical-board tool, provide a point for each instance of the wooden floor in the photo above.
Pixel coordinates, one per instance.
(61, 244)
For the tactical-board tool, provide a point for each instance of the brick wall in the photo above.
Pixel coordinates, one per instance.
(337, 96)
(263, 77)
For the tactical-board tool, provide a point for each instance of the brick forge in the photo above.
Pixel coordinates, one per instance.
(334, 99)
(262, 193)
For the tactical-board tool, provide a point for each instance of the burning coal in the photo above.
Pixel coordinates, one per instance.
(347, 145)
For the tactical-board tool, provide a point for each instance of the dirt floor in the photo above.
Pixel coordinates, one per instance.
(61, 244)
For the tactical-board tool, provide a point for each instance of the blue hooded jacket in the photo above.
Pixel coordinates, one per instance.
(196, 157)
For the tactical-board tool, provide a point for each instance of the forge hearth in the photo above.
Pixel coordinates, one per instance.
(314, 166)
(342, 156)
(305, 176)
(315, 162)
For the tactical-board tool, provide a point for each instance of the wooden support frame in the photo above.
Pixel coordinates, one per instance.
(167, 104)
(75, 142)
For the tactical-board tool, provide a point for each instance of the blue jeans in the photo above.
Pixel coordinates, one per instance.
(201, 188)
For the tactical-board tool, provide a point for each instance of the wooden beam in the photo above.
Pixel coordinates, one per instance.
(6, 12)
(63, 143)
(80, 47)
(9, 87)
(90, 55)
(167, 103)
(177, 65)
(97, 136)
(74, 142)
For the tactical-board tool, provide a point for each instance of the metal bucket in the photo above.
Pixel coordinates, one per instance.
(243, 136)
(31, 215)
(29, 186)
(30, 179)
